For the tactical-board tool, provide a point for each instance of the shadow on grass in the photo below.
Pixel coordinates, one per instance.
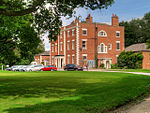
(74, 95)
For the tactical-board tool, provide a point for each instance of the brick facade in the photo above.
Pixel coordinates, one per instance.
(146, 60)
(81, 42)
(43, 58)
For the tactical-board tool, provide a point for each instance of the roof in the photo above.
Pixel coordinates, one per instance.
(137, 47)
(45, 53)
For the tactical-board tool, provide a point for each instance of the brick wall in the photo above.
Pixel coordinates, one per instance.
(146, 60)
(93, 40)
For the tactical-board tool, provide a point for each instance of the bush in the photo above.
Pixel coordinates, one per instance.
(114, 66)
(130, 60)
(102, 66)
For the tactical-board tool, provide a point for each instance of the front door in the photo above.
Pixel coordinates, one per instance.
(107, 64)
(61, 62)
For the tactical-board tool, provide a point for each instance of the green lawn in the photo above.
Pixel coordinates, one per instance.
(68, 92)
(132, 70)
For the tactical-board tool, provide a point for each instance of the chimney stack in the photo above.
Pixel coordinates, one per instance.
(89, 19)
(115, 20)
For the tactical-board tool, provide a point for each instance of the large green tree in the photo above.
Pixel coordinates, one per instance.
(18, 40)
(47, 13)
(137, 30)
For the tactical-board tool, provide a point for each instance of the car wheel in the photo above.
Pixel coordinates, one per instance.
(41, 69)
(52, 70)
(76, 69)
(30, 70)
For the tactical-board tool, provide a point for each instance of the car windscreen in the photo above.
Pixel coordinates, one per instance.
(70, 65)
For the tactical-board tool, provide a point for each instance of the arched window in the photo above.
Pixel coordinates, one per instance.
(102, 33)
(102, 48)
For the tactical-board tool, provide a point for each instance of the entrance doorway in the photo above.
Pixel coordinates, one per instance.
(107, 64)
(61, 63)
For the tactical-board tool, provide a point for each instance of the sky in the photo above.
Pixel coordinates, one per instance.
(126, 10)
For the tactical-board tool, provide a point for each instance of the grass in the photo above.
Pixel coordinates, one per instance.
(132, 70)
(68, 92)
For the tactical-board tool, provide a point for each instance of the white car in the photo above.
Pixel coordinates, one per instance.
(16, 67)
(34, 67)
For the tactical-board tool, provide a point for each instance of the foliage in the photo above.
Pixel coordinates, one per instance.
(130, 60)
(114, 66)
(96, 61)
(47, 13)
(18, 40)
(64, 92)
(137, 30)
(101, 65)
(148, 43)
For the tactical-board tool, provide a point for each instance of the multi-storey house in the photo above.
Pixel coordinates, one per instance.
(89, 43)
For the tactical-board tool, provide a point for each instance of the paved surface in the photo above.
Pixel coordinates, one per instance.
(143, 107)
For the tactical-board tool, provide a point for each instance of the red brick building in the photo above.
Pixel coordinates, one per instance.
(43, 58)
(83, 42)
(145, 52)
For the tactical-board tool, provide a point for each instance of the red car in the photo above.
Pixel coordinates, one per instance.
(49, 68)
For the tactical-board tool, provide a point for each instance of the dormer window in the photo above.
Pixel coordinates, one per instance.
(102, 33)
(117, 33)
(84, 31)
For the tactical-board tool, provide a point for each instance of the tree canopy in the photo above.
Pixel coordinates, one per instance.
(18, 40)
(47, 13)
(137, 30)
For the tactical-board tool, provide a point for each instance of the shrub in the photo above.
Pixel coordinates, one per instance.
(102, 66)
(130, 60)
(114, 66)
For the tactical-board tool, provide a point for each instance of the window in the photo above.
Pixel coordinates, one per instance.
(102, 33)
(52, 59)
(84, 44)
(102, 48)
(55, 47)
(68, 59)
(73, 59)
(68, 33)
(61, 46)
(73, 32)
(52, 47)
(118, 45)
(84, 31)
(68, 45)
(110, 46)
(84, 56)
(61, 35)
(117, 33)
(72, 44)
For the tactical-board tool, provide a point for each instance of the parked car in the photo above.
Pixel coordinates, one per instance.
(34, 67)
(22, 68)
(28, 68)
(73, 67)
(9, 68)
(16, 67)
(49, 68)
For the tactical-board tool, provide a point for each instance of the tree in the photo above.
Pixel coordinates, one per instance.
(137, 30)
(18, 40)
(47, 13)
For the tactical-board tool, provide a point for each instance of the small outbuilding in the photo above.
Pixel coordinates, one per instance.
(142, 47)
(43, 58)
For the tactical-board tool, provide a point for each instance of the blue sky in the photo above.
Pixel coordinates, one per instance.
(125, 9)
